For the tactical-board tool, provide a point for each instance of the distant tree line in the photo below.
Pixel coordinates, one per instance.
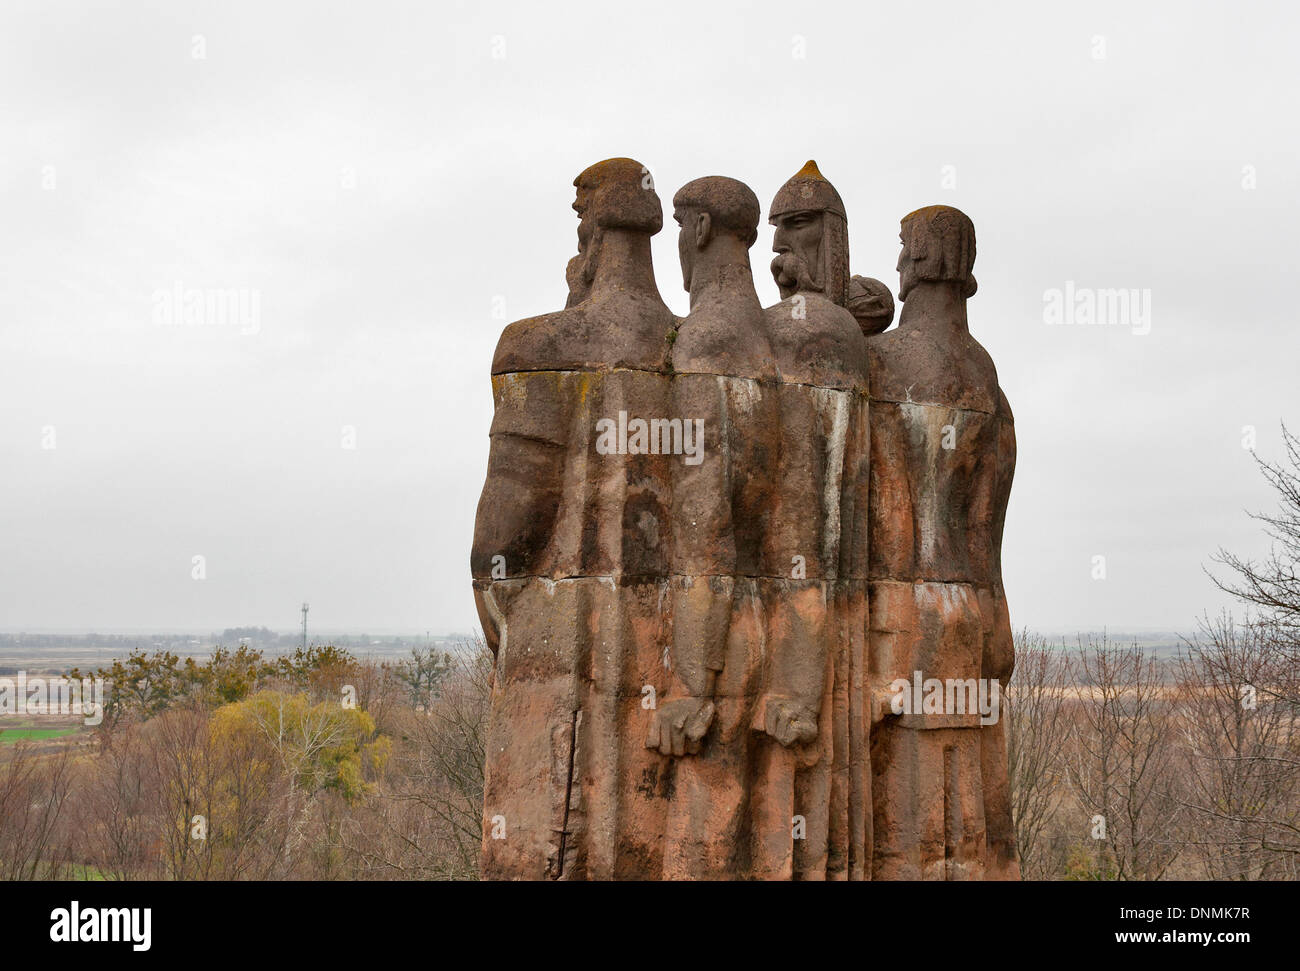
(314, 765)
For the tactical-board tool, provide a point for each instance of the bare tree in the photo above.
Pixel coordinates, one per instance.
(1119, 760)
(112, 811)
(34, 790)
(186, 763)
(1034, 707)
(1272, 585)
(426, 820)
(1242, 775)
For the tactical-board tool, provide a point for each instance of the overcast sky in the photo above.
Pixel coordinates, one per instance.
(382, 181)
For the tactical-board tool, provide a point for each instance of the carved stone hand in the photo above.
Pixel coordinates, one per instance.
(786, 720)
(679, 726)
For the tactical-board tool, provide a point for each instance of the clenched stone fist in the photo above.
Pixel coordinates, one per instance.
(786, 720)
(680, 725)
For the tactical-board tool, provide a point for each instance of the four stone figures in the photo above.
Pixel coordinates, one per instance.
(740, 571)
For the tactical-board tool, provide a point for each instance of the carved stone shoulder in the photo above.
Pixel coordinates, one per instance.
(532, 344)
(627, 332)
(911, 366)
(816, 342)
(712, 344)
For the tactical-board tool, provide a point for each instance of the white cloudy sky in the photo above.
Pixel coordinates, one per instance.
(380, 173)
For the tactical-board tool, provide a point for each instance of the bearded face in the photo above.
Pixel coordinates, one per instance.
(907, 268)
(797, 267)
(794, 274)
(576, 277)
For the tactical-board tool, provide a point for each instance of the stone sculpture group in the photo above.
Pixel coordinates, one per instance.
(740, 571)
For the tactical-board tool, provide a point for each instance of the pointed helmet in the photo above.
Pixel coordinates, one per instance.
(809, 191)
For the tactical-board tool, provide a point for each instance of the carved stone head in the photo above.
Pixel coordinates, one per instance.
(938, 245)
(812, 237)
(615, 194)
(871, 304)
(711, 207)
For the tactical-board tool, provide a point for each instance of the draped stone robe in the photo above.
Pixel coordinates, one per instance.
(815, 595)
(575, 610)
(724, 375)
(942, 460)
